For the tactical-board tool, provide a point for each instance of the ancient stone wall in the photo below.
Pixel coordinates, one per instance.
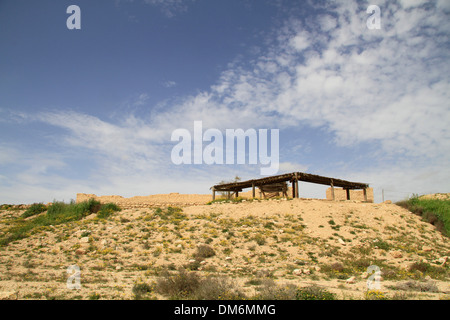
(157, 200)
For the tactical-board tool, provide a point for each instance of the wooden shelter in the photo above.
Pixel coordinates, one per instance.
(274, 189)
(277, 182)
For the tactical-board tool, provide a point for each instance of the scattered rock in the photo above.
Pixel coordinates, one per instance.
(228, 259)
(427, 248)
(84, 240)
(297, 272)
(80, 252)
(364, 275)
(396, 254)
(350, 280)
(341, 241)
(192, 261)
(306, 271)
(388, 202)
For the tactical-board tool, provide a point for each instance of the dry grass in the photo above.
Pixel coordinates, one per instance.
(252, 250)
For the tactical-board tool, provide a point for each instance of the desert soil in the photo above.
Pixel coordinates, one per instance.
(299, 241)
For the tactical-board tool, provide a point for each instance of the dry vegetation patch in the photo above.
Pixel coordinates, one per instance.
(279, 249)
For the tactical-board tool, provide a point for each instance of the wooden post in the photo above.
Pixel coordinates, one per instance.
(236, 194)
(214, 193)
(296, 185)
(228, 195)
(365, 194)
(348, 193)
(253, 190)
(293, 189)
(332, 191)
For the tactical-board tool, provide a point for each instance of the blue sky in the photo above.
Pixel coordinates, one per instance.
(92, 110)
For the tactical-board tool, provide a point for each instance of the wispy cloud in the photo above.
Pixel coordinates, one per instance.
(385, 88)
(169, 84)
(170, 7)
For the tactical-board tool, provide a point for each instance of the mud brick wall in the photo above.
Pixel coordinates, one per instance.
(340, 194)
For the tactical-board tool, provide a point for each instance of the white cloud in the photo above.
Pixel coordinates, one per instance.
(388, 88)
(443, 5)
(287, 167)
(301, 41)
(170, 7)
(141, 99)
(169, 84)
(407, 4)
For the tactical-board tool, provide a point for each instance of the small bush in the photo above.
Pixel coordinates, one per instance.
(141, 289)
(375, 295)
(94, 296)
(411, 285)
(217, 288)
(337, 266)
(34, 209)
(63, 212)
(424, 268)
(107, 210)
(170, 213)
(380, 244)
(203, 252)
(189, 285)
(269, 290)
(314, 293)
(260, 239)
(178, 286)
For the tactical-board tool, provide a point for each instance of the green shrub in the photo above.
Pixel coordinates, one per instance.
(141, 289)
(63, 212)
(434, 211)
(171, 213)
(57, 213)
(107, 210)
(380, 244)
(34, 209)
(375, 295)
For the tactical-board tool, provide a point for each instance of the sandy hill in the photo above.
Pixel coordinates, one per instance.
(297, 242)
